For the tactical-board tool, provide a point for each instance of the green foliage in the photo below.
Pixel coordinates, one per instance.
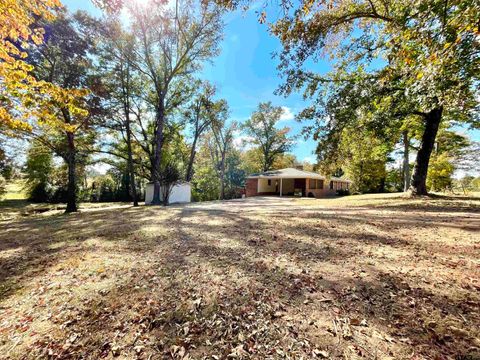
(394, 180)
(39, 169)
(170, 175)
(263, 132)
(113, 186)
(234, 175)
(467, 184)
(440, 173)
(363, 158)
(392, 60)
(103, 189)
(283, 161)
(251, 160)
(3, 186)
(6, 165)
(205, 184)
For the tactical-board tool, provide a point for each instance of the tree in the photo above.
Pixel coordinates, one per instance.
(22, 95)
(417, 58)
(449, 148)
(6, 165)
(18, 29)
(170, 176)
(263, 131)
(169, 47)
(469, 183)
(205, 180)
(198, 115)
(220, 141)
(3, 186)
(124, 89)
(440, 173)
(285, 161)
(39, 169)
(65, 60)
(234, 174)
(363, 158)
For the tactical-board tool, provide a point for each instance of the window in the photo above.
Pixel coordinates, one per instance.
(331, 185)
(312, 184)
(269, 182)
(319, 184)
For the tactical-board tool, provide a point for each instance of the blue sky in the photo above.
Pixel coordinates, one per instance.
(245, 73)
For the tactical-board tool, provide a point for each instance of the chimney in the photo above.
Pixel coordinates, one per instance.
(299, 167)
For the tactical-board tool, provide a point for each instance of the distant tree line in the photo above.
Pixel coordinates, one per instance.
(83, 91)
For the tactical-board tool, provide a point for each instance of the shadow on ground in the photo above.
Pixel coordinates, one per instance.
(242, 280)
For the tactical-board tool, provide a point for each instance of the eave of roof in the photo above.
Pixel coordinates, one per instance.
(291, 173)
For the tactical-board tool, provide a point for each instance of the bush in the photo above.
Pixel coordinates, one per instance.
(343, 192)
(440, 173)
(39, 193)
(3, 184)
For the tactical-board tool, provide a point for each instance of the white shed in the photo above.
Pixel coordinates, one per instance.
(181, 193)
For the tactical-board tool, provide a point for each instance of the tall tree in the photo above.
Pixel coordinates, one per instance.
(421, 57)
(124, 85)
(170, 46)
(220, 141)
(18, 28)
(262, 129)
(199, 117)
(65, 60)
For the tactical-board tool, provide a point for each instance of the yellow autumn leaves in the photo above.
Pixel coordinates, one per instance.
(23, 99)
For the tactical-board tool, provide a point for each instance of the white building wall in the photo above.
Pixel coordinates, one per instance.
(181, 193)
(263, 186)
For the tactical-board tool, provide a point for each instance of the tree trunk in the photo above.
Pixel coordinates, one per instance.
(126, 90)
(72, 186)
(133, 188)
(160, 120)
(222, 178)
(191, 160)
(406, 164)
(419, 178)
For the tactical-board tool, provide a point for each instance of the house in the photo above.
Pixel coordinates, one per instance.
(180, 193)
(292, 181)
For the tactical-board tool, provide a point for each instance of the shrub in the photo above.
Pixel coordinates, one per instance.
(3, 185)
(343, 192)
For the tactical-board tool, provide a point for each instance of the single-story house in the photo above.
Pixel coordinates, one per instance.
(292, 181)
(181, 193)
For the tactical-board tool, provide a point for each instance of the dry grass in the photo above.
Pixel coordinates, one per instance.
(376, 277)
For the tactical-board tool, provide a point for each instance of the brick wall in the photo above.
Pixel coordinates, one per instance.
(251, 187)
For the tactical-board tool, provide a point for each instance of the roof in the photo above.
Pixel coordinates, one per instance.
(290, 173)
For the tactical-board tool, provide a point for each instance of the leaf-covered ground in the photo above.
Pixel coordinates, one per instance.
(374, 277)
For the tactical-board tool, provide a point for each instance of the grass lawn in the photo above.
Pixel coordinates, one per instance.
(359, 277)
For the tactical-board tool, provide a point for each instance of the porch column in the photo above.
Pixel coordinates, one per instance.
(281, 183)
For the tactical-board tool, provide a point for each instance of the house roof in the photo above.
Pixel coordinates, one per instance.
(290, 173)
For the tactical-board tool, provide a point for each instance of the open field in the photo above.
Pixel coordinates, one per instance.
(372, 276)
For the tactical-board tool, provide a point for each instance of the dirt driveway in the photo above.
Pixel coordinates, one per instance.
(254, 204)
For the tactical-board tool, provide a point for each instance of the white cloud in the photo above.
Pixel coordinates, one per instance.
(241, 141)
(287, 114)
(100, 168)
(309, 159)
